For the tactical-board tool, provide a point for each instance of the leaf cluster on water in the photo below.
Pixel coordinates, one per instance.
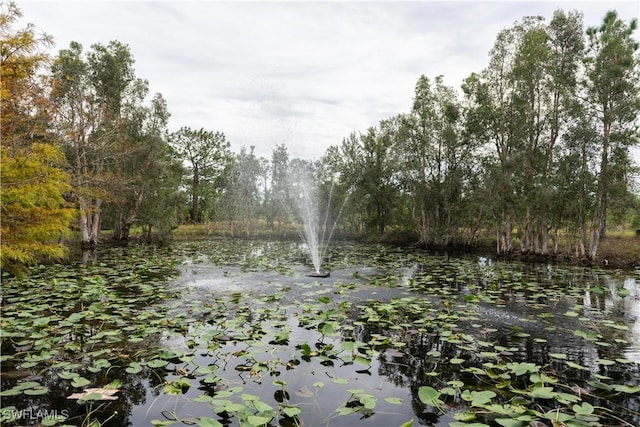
(479, 344)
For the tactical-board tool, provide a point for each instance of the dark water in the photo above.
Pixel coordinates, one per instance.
(242, 322)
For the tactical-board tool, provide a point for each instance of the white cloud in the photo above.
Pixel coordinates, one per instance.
(301, 73)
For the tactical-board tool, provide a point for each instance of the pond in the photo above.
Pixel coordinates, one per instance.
(227, 332)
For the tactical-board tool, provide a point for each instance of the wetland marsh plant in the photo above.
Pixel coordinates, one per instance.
(459, 343)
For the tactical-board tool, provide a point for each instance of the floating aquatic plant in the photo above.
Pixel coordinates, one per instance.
(234, 332)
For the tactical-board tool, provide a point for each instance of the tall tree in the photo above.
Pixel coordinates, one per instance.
(544, 78)
(436, 157)
(144, 169)
(574, 179)
(566, 41)
(163, 205)
(88, 92)
(612, 88)
(241, 199)
(367, 164)
(523, 101)
(264, 185)
(277, 199)
(501, 126)
(377, 178)
(207, 153)
(334, 164)
(417, 143)
(480, 170)
(35, 215)
(530, 95)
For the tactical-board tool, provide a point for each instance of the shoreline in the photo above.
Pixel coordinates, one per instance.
(615, 252)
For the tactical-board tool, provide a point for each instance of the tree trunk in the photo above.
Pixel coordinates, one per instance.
(504, 235)
(96, 219)
(600, 209)
(475, 227)
(582, 208)
(526, 245)
(84, 222)
(424, 222)
(89, 220)
(544, 243)
(121, 230)
(194, 195)
(122, 226)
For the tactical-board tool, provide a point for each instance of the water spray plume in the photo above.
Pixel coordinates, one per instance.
(317, 231)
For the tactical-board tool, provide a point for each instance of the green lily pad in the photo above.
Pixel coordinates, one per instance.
(134, 368)
(623, 388)
(511, 422)
(157, 363)
(478, 398)
(543, 393)
(36, 391)
(209, 422)
(394, 400)
(80, 381)
(583, 409)
(428, 395)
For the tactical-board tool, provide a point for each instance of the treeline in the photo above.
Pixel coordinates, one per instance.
(534, 147)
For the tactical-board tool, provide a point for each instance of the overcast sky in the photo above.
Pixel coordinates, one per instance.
(305, 74)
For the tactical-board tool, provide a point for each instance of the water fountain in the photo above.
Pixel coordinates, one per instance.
(316, 232)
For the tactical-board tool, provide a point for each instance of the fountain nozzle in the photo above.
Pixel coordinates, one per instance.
(319, 274)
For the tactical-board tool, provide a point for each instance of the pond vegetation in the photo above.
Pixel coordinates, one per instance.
(227, 332)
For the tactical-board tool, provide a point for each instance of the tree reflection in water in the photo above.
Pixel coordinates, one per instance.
(387, 323)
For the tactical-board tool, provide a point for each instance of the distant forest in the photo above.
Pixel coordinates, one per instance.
(533, 151)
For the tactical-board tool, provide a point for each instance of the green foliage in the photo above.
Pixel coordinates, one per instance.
(535, 151)
(366, 165)
(122, 165)
(242, 197)
(35, 215)
(612, 88)
(276, 197)
(149, 174)
(207, 154)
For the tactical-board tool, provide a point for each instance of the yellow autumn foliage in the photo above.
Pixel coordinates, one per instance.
(35, 215)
